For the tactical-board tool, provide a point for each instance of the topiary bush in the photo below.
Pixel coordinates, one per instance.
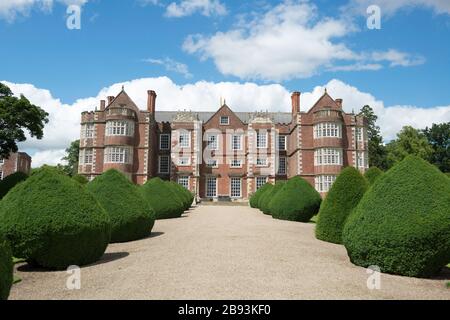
(80, 179)
(254, 199)
(269, 195)
(343, 197)
(182, 194)
(160, 197)
(6, 269)
(131, 216)
(296, 201)
(52, 221)
(265, 192)
(372, 174)
(10, 182)
(402, 223)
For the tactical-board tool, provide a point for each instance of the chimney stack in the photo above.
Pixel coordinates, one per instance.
(339, 103)
(295, 102)
(151, 101)
(110, 99)
(102, 105)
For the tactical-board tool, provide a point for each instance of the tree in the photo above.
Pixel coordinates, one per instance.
(439, 138)
(16, 115)
(72, 155)
(409, 141)
(377, 150)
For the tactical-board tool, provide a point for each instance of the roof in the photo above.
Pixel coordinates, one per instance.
(204, 116)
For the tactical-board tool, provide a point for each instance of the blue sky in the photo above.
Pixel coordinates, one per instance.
(299, 45)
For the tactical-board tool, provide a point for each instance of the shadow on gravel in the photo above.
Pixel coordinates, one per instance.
(443, 275)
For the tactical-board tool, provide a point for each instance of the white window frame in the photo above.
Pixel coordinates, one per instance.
(280, 167)
(182, 163)
(233, 189)
(327, 130)
(160, 158)
(88, 131)
(119, 128)
(259, 183)
(235, 147)
(123, 155)
(165, 135)
(328, 157)
(233, 163)
(323, 183)
(212, 144)
(284, 139)
(86, 156)
(187, 136)
(183, 181)
(210, 161)
(211, 193)
(259, 144)
(261, 162)
(224, 123)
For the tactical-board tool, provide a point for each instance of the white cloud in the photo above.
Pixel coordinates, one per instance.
(390, 7)
(289, 41)
(189, 7)
(64, 122)
(11, 9)
(171, 65)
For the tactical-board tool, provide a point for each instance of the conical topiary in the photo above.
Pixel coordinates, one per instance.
(254, 199)
(342, 198)
(10, 182)
(296, 201)
(6, 269)
(160, 197)
(372, 174)
(402, 223)
(131, 216)
(52, 221)
(268, 196)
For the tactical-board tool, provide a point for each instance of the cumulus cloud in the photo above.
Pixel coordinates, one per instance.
(189, 7)
(289, 41)
(64, 125)
(390, 7)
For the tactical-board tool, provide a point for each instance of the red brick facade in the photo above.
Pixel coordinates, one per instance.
(16, 162)
(224, 154)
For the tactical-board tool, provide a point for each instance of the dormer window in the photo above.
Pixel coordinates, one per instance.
(224, 120)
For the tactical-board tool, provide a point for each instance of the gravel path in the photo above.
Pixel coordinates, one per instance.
(222, 252)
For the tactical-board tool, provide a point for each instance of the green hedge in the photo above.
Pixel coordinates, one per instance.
(372, 175)
(182, 193)
(264, 193)
(269, 195)
(402, 224)
(161, 198)
(52, 221)
(296, 201)
(6, 269)
(131, 216)
(254, 199)
(10, 182)
(80, 179)
(340, 201)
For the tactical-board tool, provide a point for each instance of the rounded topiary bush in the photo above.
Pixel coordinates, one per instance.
(182, 194)
(10, 182)
(6, 269)
(131, 216)
(343, 197)
(402, 223)
(52, 221)
(372, 174)
(254, 199)
(80, 179)
(264, 193)
(296, 201)
(160, 197)
(269, 195)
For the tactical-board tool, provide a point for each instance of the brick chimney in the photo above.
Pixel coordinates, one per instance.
(339, 102)
(295, 102)
(102, 105)
(151, 101)
(110, 99)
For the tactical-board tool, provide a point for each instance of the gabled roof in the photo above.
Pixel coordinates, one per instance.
(324, 101)
(228, 110)
(123, 99)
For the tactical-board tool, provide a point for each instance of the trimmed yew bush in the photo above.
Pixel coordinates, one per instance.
(296, 201)
(402, 224)
(6, 269)
(52, 221)
(254, 199)
(343, 197)
(269, 195)
(10, 182)
(265, 192)
(160, 197)
(372, 174)
(131, 216)
(80, 179)
(183, 194)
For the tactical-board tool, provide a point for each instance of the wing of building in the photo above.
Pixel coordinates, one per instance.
(16, 162)
(222, 153)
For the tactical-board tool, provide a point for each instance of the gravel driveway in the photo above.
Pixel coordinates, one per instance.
(223, 252)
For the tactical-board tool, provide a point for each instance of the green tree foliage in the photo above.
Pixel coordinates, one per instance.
(10, 182)
(160, 198)
(439, 138)
(80, 179)
(372, 174)
(377, 151)
(296, 201)
(269, 195)
(254, 199)
(342, 198)
(6, 269)
(52, 221)
(402, 224)
(409, 141)
(17, 114)
(131, 217)
(72, 158)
